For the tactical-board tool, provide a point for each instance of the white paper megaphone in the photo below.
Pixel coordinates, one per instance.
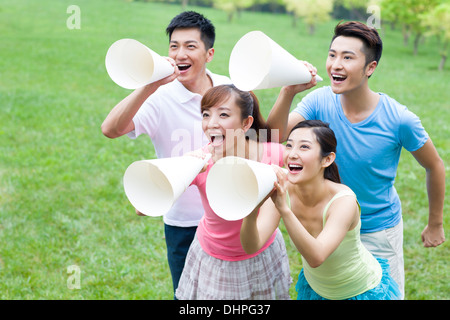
(132, 65)
(258, 62)
(152, 186)
(235, 186)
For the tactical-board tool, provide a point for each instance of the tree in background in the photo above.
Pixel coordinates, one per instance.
(274, 6)
(437, 22)
(416, 17)
(184, 4)
(232, 6)
(356, 7)
(408, 13)
(312, 12)
(392, 11)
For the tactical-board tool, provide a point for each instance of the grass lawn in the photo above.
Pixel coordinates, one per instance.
(61, 196)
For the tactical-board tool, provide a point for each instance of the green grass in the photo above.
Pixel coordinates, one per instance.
(61, 196)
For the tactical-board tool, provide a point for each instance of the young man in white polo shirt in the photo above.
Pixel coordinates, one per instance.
(169, 112)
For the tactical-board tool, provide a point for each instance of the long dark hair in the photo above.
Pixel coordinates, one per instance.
(246, 101)
(327, 141)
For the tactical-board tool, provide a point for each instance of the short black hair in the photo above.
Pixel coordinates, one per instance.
(192, 19)
(373, 46)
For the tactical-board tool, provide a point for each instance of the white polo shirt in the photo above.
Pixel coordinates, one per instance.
(171, 117)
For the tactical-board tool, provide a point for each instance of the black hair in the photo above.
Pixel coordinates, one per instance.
(327, 141)
(192, 19)
(372, 44)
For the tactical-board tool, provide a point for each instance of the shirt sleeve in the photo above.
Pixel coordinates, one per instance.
(412, 134)
(146, 120)
(307, 107)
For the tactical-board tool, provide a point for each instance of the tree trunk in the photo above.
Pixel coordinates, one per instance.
(416, 43)
(230, 16)
(184, 4)
(356, 15)
(442, 63)
(294, 20)
(392, 24)
(406, 34)
(443, 56)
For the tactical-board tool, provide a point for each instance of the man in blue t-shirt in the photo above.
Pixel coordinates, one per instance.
(371, 129)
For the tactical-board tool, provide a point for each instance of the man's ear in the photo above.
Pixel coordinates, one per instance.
(370, 68)
(209, 54)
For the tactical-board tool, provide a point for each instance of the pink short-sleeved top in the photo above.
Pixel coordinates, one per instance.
(221, 238)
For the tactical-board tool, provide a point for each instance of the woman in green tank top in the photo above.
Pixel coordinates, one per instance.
(322, 217)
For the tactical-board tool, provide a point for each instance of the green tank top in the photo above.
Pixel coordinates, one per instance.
(349, 271)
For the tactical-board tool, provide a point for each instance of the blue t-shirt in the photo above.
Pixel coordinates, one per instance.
(368, 152)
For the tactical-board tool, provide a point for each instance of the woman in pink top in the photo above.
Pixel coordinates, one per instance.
(217, 267)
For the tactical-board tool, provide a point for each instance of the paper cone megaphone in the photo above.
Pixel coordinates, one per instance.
(152, 186)
(258, 62)
(132, 65)
(235, 186)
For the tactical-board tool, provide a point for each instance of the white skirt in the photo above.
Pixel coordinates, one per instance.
(263, 277)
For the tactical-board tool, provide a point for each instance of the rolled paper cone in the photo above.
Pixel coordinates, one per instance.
(153, 186)
(132, 65)
(258, 62)
(235, 186)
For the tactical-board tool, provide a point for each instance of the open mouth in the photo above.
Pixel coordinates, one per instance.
(183, 67)
(338, 77)
(295, 168)
(217, 139)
